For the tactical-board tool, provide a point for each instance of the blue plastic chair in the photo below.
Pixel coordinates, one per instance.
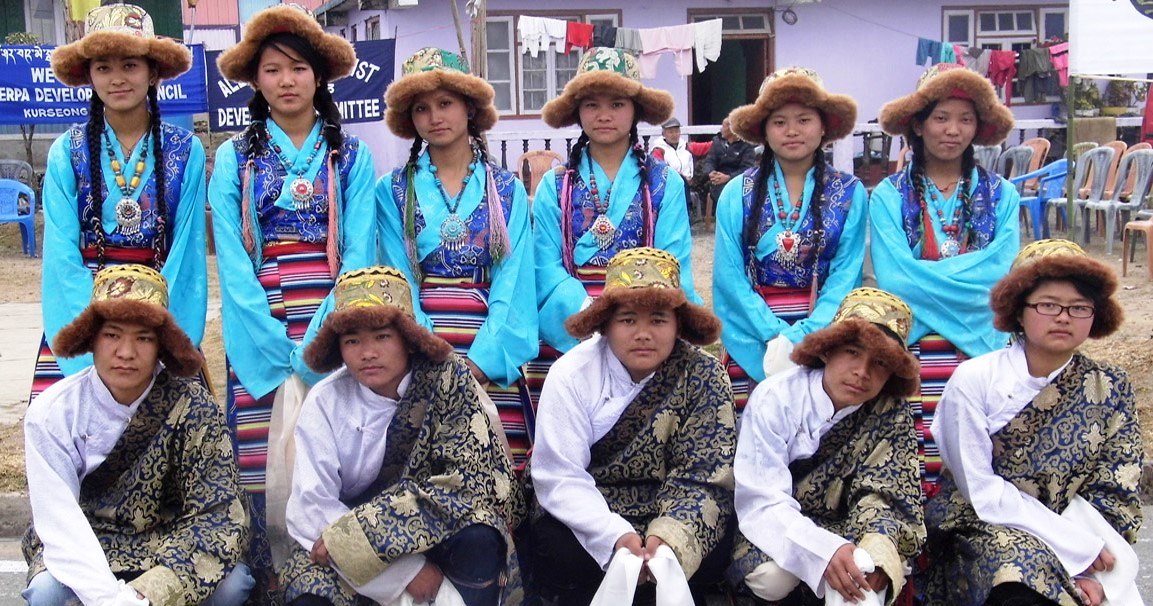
(24, 214)
(1051, 185)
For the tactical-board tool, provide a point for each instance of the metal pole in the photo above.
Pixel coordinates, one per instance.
(1070, 195)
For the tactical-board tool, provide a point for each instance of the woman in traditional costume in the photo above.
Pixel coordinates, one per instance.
(401, 484)
(292, 206)
(944, 230)
(123, 187)
(459, 227)
(635, 436)
(1042, 450)
(790, 233)
(609, 197)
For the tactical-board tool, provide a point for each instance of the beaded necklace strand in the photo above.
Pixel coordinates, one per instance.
(453, 231)
(128, 213)
(301, 188)
(951, 247)
(787, 239)
(603, 230)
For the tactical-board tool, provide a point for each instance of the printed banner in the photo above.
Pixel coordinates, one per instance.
(30, 94)
(360, 96)
(1110, 37)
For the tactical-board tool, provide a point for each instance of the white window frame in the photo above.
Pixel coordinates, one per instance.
(509, 85)
(372, 28)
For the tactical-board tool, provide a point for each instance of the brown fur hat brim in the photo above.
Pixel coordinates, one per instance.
(695, 324)
(995, 120)
(398, 98)
(652, 105)
(237, 63)
(323, 353)
(1096, 281)
(70, 62)
(906, 369)
(839, 112)
(176, 351)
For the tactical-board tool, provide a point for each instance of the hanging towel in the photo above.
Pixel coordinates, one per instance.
(557, 31)
(604, 35)
(532, 34)
(928, 51)
(1002, 70)
(578, 35)
(629, 38)
(707, 41)
(947, 53)
(655, 41)
(1059, 57)
(1035, 71)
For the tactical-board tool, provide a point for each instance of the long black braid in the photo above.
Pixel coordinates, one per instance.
(92, 133)
(574, 155)
(330, 118)
(478, 142)
(646, 196)
(256, 133)
(816, 210)
(160, 207)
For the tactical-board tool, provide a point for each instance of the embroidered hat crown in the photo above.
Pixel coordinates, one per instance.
(642, 268)
(1041, 249)
(616, 60)
(373, 287)
(803, 72)
(936, 70)
(130, 282)
(878, 307)
(122, 19)
(430, 58)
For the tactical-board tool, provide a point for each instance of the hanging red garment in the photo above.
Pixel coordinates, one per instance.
(579, 35)
(1147, 123)
(1002, 70)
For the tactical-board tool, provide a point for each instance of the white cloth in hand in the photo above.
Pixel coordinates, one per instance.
(863, 561)
(447, 595)
(1120, 584)
(620, 582)
(777, 352)
(128, 596)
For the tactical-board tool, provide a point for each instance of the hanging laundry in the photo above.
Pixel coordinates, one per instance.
(604, 35)
(1035, 72)
(557, 32)
(928, 51)
(629, 38)
(578, 35)
(1059, 57)
(532, 34)
(962, 55)
(707, 41)
(981, 57)
(1147, 121)
(947, 53)
(676, 39)
(1002, 70)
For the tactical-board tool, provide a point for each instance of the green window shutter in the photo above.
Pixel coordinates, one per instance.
(166, 16)
(11, 18)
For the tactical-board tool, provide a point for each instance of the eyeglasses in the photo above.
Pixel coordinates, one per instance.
(1054, 309)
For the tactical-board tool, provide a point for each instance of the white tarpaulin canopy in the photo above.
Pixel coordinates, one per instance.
(1110, 37)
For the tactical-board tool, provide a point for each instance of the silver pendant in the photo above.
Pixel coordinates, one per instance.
(604, 232)
(788, 248)
(128, 216)
(453, 232)
(301, 189)
(950, 248)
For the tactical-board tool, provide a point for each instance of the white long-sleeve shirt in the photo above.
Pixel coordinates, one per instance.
(983, 396)
(585, 394)
(784, 420)
(340, 445)
(69, 431)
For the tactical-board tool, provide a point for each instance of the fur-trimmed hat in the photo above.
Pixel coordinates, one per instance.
(794, 85)
(648, 278)
(135, 294)
(607, 70)
(373, 297)
(1056, 260)
(429, 69)
(119, 30)
(951, 81)
(874, 319)
(239, 62)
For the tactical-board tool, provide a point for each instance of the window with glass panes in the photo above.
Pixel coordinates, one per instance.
(524, 83)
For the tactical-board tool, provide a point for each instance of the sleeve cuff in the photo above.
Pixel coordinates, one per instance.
(681, 539)
(886, 557)
(160, 585)
(351, 551)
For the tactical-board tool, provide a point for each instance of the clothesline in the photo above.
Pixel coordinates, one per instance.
(702, 38)
(1034, 67)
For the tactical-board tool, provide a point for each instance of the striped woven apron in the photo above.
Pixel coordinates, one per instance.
(47, 371)
(939, 358)
(296, 279)
(592, 277)
(790, 305)
(457, 308)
